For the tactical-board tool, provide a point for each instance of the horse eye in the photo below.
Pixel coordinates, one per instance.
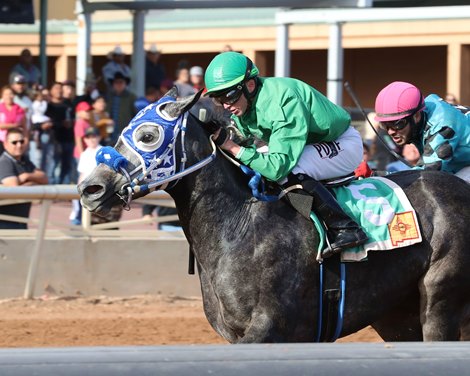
(147, 138)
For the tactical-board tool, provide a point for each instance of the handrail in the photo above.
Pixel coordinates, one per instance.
(47, 194)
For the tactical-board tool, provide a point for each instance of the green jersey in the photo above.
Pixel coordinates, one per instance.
(287, 114)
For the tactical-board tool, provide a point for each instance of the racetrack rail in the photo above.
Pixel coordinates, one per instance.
(443, 358)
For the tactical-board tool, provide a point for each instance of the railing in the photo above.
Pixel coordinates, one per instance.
(47, 194)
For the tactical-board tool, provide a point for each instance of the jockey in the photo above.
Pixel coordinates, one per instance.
(439, 130)
(309, 138)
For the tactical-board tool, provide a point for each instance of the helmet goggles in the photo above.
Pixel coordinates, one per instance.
(233, 94)
(396, 125)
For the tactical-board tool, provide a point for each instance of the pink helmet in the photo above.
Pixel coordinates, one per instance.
(398, 100)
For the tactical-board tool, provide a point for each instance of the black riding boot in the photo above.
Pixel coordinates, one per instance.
(343, 232)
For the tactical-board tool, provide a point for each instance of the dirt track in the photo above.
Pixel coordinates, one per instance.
(104, 321)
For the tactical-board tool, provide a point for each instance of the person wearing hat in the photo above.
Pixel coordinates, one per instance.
(308, 137)
(196, 77)
(116, 64)
(19, 85)
(85, 164)
(120, 104)
(26, 68)
(154, 69)
(440, 131)
(82, 123)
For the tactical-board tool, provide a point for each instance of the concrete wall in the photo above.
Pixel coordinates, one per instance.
(99, 267)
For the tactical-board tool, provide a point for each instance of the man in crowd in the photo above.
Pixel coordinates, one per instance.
(27, 69)
(154, 70)
(116, 64)
(120, 104)
(16, 169)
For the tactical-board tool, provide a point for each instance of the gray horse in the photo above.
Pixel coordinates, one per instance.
(256, 260)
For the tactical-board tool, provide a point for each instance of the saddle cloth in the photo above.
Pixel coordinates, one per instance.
(382, 209)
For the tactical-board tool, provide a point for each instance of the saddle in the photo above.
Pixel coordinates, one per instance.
(296, 194)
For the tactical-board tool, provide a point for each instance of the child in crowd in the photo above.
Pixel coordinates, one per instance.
(39, 120)
(86, 164)
(82, 123)
(100, 119)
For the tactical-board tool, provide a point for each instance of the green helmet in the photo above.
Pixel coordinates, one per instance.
(228, 69)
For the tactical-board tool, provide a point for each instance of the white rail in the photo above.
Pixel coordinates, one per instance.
(47, 194)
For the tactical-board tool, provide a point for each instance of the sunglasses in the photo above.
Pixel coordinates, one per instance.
(230, 97)
(397, 125)
(21, 142)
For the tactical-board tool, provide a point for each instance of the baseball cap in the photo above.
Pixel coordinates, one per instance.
(196, 71)
(83, 106)
(92, 131)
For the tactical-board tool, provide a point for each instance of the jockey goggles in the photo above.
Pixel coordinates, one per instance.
(230, 97)
(397, 125)
(233, 95)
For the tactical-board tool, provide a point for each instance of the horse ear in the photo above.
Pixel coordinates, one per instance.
(173, 92)
(175, 109)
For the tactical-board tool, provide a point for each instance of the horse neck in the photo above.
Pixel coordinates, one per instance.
(214, 200)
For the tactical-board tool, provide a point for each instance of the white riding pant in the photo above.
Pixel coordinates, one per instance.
(464, 174)
(327, 160)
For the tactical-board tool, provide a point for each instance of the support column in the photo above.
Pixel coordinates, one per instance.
(138, 54)
(282, 58)
(335, 65)
(454, 66)
(83, 47)
(43, 42)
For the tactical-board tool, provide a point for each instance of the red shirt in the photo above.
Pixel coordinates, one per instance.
(79, 129)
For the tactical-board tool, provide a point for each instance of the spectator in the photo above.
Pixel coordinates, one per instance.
(27, 69)
(82, 123)
(68, 170)
(161, 211)
(182, 82)
(151, 95)
(116, 65)
(22, 98)
(154, 69)
(196, 78)
(101, 119)
(38, 116)
(227, 48)
(410, 154)
(120, 104)
(90, 91)
(52, 137)
(86, 164)
(451, 99)
(11, 114)
(16, 169)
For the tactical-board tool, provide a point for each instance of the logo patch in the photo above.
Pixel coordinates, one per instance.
(403, 227)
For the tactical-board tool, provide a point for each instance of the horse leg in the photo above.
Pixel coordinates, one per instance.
(212, 309)
(441, 309)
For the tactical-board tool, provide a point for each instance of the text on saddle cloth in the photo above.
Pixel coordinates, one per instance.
(384, 212)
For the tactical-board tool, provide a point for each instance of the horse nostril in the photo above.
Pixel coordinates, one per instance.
(92, 189)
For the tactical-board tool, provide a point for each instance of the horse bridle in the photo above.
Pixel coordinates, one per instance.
(134, 185)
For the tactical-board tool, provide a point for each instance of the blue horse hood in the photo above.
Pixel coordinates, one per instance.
(153, 115)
